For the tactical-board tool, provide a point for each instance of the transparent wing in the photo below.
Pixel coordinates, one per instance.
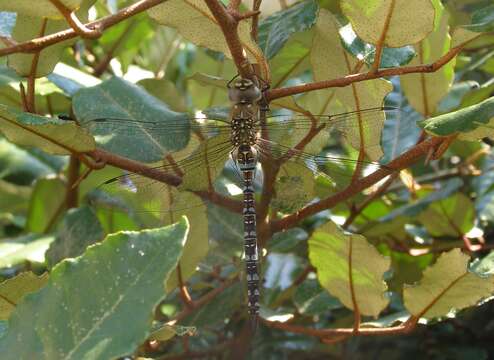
(338, 171)
(199, 166)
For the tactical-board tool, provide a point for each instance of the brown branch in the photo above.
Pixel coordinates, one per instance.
(155, 173)
(22, 91)
(229, 24)
(75, 23)
(184, 293)
(357, 211)
(204, 300)
(72, 194)
(256, 5)
(102, 24)
(404, 328)
(31, 78)
(349, 79)
(401, 162)
(356, 309)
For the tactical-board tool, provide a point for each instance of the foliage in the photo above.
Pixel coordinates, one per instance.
(397, 243)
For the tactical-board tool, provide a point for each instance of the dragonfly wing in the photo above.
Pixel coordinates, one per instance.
(360, 129)
(149, 140)
(295, 185)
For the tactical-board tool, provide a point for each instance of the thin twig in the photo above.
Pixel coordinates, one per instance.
(404, 328)
(72, 193)
(228, 25)
(349, 79)
(102, 65)
(75, 23)
(382, 38)
(31, 78)
(256, 5)
(102, 24)
(204, 300)
(156, 174)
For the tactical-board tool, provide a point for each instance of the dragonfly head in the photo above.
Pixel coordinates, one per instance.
(244, 91)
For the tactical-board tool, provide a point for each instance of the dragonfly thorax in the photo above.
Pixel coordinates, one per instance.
(244, 91)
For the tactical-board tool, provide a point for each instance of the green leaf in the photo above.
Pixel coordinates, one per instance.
(447, 286)
(482, 20)
(453, 216)
(30, 26)
(166, 91)
(330, 61)
(194, 21)
(311, 299)
(25, 248)
(218, 310)
(13, 290)
(410, 21)
(80, 228)
(114, 285)
(19, 166)
(414, 209)
(347, 263)
(470, 123)
(287, 240)
(43, 209)
(39, 8)
(391, 57)
(213, 154)
(275, 30)
(292, 59)
(424, 91)
(119, 99)
(14, 198)
(51, 135)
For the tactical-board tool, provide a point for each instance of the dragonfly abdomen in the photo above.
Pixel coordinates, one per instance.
(245, 96)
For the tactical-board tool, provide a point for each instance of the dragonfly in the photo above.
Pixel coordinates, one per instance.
(245, 141)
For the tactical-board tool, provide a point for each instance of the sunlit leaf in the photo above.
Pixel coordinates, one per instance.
(424, 91)
(30, 26)
(25, 248)
(447, 286)
(409, 21)
(77, 313)
(195, 22)
(330, 61)
(41, 8)
(453, 216)
(349, 268)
